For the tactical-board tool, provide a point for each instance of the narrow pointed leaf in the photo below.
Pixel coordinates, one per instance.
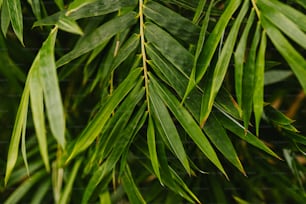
(288, 27)
(214, 38)
(37, 107)
(50, 84)
(199, 11)
(189, 124)
(35, 4)
(164, 119)
(16, 135)
(258, 98)
(5, 17)
(130, 187)
(95, 127)
(171, 49)
(99, 36)
(15, 13)
(152, 147)
(220, 139)
(69, 186)
(175, 24)
(240, 54)
(295, 60)
(248, 80)
(69, 25)
(232, 125)
(213, 84)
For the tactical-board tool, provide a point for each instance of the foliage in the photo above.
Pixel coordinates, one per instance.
(148, 101)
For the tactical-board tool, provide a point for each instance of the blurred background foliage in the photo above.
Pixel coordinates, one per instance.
(128, 101)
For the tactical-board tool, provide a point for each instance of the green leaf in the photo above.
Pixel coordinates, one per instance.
(35, 4)
(16, 135)
(164, 119)
(171, 49)
(213, 84)
(258, 98)
(50, 84)
(60, 4)
(248, 80)
(5, 17)
(98, 8)
(232, 125)
(24, 188)
(220, 139)
(41, 192)
(199, 11)
(152, 148)
(93, 129)
(269, 11)
(188, 123)
(37, 107)
(69, 25)
(174, 23)
(214, 38)
(99, 36)
(68, 187)
(275, 76)
(130, 187)
(15, 13)
(295, 60)
(277, 116)
(239, 57)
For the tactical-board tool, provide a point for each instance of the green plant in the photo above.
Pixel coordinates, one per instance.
(152, 101)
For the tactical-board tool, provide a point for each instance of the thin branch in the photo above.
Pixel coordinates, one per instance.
(143, 51)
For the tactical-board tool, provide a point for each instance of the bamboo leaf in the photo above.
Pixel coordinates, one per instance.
(5, 17)
(214, 38)
(49, 81)
(171, 49)
(35, 4)
(15, 13)
(232, 125)
(99, 36)
(258, 98)
(175, 24)
(130, 187)
(213, 84)
(199, 11)
(163, 117)
(248, 80)
(69, 25)
(152, 148)
(37, 107)
(24, 188)
(16, 135)
(269, 11)
(94, 128)
(275, 76)
(240, 57)
(188, 123)
(68, 188)
(294, 59)
(220, 139)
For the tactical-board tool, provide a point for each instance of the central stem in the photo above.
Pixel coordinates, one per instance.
(143, 51)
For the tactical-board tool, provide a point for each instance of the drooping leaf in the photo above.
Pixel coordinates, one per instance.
(37, 107)
(130, 187)
(213, 84)
(294, 58)
(258, 98)
(175, 24)
(50, 84)
(16, 135)
(163, 118)
(94, 128)
(173, 51)
(69, 25)
(239, 55)
(248, 79)
(15, 14)
(188, 123)
(269, 11)
(5, 17)
(100, 35)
